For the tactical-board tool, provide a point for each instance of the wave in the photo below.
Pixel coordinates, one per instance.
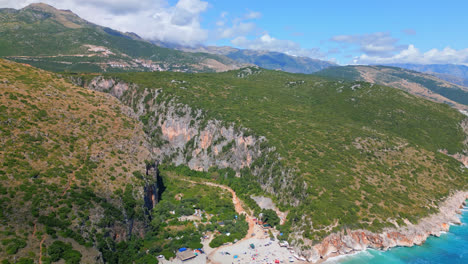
(339, 259)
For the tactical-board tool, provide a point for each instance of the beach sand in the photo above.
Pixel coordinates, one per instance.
(266, 251)
(263, 253)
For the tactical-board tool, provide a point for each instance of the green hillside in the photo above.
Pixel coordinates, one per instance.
(59, 40)
(73, 181)
(364, 155)
(454, 73)
(400, 78)
(65, 154)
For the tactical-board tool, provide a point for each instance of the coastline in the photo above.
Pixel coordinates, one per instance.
(342, 244)
(353, 241)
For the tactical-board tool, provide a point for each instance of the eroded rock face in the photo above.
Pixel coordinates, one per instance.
(350, 241)
(110, 86)
(182, 135)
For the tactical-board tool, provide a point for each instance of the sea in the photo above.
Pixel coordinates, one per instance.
(450, 247)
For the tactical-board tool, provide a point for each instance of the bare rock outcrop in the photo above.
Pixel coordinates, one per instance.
(182, 135)
(350, 241)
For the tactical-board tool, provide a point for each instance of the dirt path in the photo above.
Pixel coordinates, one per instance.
(237, 204)
(40, 249)
(239, 209)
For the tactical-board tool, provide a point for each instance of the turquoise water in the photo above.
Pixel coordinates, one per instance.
(451, 247)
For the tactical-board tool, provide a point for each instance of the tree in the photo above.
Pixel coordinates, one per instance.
(270, 217)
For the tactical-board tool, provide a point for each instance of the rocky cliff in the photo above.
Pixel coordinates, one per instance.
(351, 241)
(184, 136)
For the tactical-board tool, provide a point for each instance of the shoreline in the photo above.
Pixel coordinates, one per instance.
(344, 243)
(351, 242)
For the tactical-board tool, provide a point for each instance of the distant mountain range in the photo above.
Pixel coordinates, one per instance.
(421, 84)
(457, 74)
(268, 59)
(59, 40)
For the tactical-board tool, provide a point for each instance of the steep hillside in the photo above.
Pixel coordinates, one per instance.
(69, 160)
(335, 154)
(267, 59)
(453, 73)
(416, 83)
(78, 180)
(59, 40)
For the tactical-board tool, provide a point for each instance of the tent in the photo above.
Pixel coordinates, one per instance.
(182, 249)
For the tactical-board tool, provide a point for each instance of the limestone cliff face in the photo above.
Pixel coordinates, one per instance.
(350, 241)
(182, 135)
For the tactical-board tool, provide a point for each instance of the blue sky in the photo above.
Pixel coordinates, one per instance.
(313, 24)
(348, 32)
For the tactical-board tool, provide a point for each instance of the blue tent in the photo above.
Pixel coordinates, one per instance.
(182, 249)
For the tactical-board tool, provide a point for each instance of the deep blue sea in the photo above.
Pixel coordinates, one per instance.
(451, 247)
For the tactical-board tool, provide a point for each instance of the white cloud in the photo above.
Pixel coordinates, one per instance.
(382, 48)
(240, 29)
(151, 19)
(374, 44)
(414, 55)
(236, 27)
(268, 43)
(253, 15)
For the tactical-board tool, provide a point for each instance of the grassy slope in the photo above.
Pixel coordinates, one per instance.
(388, 75)
(364, 154)
(64, 153)
(72, 170)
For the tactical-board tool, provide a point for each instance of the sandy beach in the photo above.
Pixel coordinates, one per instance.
(265, 251)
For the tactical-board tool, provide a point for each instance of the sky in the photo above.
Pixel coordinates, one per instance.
(343, 31)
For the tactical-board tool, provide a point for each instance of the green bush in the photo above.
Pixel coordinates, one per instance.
(60, 250)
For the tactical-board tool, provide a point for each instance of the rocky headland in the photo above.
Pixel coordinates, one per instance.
(352, 241)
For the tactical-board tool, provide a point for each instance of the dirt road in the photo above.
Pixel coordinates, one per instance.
(239, 209)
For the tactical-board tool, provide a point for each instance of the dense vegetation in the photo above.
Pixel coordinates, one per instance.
(72, 178)
(57, 189)
(363, 154)
(72, 175)
(214, 208)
